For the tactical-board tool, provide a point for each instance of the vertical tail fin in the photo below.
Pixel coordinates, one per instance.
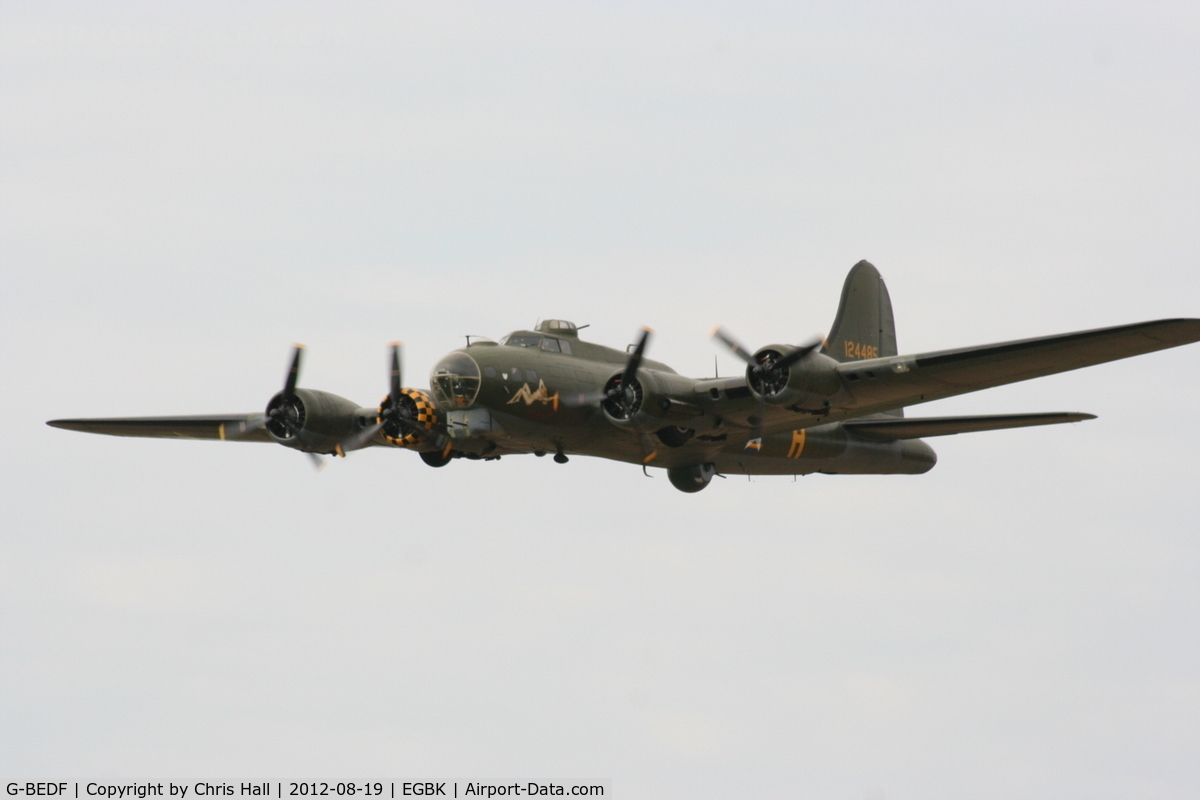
(864, 326)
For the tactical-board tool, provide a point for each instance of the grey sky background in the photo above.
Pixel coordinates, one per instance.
(187, 190)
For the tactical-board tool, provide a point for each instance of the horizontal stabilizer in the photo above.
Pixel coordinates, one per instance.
(213, 426)
(919, 428)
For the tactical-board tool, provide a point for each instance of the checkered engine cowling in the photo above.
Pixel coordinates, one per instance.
(414, 409)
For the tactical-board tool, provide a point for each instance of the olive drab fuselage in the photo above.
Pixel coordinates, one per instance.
(521, 395)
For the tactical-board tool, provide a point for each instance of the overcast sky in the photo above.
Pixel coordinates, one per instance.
(188, 189)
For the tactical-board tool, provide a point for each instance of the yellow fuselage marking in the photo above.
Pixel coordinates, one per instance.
(797, 447)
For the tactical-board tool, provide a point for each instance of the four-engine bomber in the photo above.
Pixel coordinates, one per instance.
(833, 405)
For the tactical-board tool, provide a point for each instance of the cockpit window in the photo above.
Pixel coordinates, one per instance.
(548, 343)
(455, 381)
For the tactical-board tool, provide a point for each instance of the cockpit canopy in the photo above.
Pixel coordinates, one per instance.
(551, 344)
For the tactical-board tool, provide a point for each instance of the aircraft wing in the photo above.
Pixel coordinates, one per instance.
(892, 428)
(886, 383)
(211, 426)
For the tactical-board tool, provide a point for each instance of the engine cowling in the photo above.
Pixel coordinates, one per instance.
(647, 400)
(311, 420)
(416, 408)
(807, 383)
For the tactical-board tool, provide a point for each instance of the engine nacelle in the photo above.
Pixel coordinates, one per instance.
(648, 400)
(311, 420)
(808, 383)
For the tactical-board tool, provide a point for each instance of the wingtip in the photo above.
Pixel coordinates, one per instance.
(68, 424)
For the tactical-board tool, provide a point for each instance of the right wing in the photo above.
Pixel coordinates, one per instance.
(886, 383)
(210, 426)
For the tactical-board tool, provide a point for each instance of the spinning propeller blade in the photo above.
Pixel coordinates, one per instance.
(293, 374)
(799, 353)
(622, 396)
(277, 408)
(359, 439)
(765, 370)
(396, 384)
(733, 345)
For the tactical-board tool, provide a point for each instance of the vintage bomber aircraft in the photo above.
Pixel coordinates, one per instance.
(834, 406)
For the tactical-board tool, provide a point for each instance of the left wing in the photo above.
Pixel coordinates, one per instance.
(209, 426)
(892, 428)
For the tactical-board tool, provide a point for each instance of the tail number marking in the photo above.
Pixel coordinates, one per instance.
(860, 351)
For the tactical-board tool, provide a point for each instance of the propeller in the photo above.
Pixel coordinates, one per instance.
(767, 373)
(358, 440)
(396, 419)
(284, 415)
(622, 396)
